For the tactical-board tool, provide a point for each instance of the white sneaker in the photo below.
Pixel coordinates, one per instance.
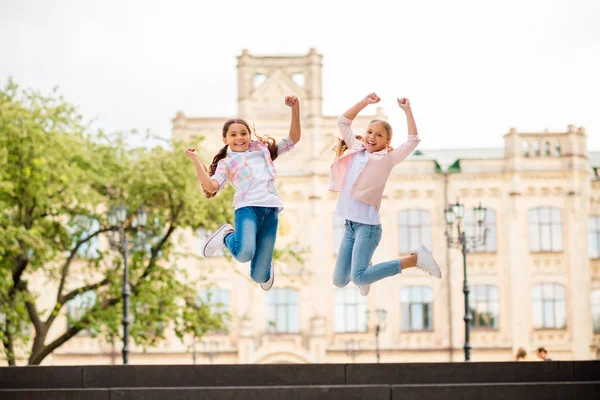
(426, 262)
(216, 241)
(364, 290)
(269, 284)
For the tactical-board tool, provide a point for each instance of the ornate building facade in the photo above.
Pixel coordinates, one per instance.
(536, 281)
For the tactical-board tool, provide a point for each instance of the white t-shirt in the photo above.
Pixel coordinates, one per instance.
(350, 208)
(258, 195)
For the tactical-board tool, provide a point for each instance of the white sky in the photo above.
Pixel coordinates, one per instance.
(472, 68)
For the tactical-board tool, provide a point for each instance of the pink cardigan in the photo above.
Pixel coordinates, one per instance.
(371, 181)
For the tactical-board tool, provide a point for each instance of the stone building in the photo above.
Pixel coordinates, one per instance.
(536, 281)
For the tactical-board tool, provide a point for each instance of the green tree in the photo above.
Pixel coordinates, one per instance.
(57, 180)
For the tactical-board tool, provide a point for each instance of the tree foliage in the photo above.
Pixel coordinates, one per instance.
(57, 181)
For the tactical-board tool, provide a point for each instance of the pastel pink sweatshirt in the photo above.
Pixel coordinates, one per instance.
(371, 181)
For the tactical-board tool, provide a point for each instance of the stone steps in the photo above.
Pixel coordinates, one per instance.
(448, 381)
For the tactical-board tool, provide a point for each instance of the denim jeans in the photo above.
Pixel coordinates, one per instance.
(254, 239)
(357, 248)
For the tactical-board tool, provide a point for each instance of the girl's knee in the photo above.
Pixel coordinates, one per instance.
(245, 255)
(339, 283)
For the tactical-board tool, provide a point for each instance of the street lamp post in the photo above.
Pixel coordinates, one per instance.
(379, 327)
(116, 219)
(454, 215)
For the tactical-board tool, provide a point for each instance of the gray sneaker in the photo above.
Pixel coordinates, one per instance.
(364, 290)
(269, 284)
(426, 262)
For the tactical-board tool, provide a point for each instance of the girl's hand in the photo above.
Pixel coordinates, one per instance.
(292, 101)
(191, 153)
(372, 98)
(404, 103)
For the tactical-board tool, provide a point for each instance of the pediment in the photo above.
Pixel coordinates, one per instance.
(275, 88)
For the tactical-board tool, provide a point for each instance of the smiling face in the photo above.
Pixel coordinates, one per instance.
(236, 134)
(377, 137)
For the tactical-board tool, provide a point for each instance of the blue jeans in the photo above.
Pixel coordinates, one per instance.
(357, 248)
(254, 239)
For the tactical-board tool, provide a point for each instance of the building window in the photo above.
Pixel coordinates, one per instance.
(549, 309)
(339, 229)
(414, 229)
(258, 80)
(525, 148)
(25, 325)
(80, 228)
(548, 149)
(218, 302)
(202, 236)
(282, 310)
(78, 307)
(536, 147)
(557, 148)
(472, 228)
(416, 308)
(484, 306)
(298, 79)
(545, 229)
(594, 237)
(595, 307)
(350, 310)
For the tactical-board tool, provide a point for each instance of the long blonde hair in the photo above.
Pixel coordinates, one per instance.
(340, 148)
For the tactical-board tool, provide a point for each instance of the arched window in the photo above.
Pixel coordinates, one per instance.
(282, 310)
(78, 307)
(416, 308)
(218, 302)
(258, 80)
(525, 148)
(484, 305)
(298, 79)
(549, 307)
(414, 229)
(350, 310)
(545, 229)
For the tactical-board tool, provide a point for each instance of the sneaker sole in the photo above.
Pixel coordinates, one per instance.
(211, 238)
(436, 264)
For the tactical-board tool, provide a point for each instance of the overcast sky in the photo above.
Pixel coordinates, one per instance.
(472, 68)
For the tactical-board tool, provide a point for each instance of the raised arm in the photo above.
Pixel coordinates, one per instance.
(404, 150)
(404, 104)
(207, 182)
(295, 131)
(353, 111)
(345, 120)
